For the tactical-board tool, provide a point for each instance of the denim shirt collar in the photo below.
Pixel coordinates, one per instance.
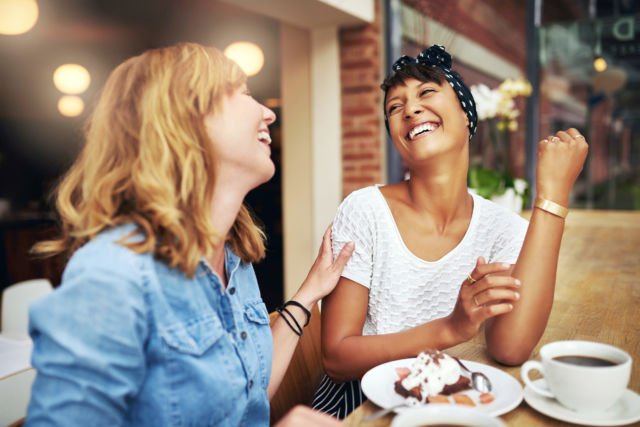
(231, 264)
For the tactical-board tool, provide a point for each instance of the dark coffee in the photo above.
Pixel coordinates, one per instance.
(585, 361)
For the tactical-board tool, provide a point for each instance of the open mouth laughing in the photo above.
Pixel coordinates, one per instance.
(264, 137)
(422, 129)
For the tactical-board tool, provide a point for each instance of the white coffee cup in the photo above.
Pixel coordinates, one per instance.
(440, 415)
(577, 386)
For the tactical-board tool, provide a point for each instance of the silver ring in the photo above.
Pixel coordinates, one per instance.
(471, 279)
(580, 136)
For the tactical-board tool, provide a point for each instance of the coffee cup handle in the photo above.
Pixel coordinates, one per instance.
(533, 365)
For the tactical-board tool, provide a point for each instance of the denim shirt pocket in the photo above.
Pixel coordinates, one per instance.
(256, 312)
(200, 357)
(258, 321)
(194, 337)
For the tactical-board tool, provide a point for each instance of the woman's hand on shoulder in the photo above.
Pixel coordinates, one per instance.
(325, 272)
(560, 160)
(487, 292)
(302, 415)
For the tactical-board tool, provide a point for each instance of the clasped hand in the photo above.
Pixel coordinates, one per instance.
(489, 291)
(560, 160)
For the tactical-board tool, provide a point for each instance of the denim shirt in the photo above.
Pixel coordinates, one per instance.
(126, 340)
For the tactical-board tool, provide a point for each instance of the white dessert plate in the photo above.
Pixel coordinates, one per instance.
(378, 386)
(625, 411)
(438, 415)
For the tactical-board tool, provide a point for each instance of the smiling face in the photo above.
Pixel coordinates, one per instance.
(239, 132)
(425, 120)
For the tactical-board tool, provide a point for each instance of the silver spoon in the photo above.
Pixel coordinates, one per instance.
(479, 381)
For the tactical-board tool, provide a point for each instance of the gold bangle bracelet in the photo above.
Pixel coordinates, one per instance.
(552, 207)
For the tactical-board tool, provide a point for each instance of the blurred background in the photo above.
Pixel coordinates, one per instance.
(546, 65)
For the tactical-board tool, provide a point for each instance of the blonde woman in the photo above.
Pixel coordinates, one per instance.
(158, 320)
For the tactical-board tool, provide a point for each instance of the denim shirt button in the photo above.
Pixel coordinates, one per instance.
(250, 383)
(243, 335)
(232, 291)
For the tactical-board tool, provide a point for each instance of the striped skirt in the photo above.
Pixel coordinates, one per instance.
(338, 400)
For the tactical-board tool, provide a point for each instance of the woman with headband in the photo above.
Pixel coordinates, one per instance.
(434, 263)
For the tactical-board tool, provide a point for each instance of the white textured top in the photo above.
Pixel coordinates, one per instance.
(404, 290)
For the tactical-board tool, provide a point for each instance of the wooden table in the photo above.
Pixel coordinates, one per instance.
(597, 298)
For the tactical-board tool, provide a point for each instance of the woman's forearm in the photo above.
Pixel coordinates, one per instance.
(511, 337)
(285, 342)
(353, 356)
(321, 280)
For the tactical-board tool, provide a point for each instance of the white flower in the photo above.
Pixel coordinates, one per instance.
(517, 87)
(487, 101)
(509, 200)
(506, 106)
(492, 103)
(520, 185)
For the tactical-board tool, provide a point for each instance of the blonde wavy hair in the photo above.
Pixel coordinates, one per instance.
(148, 160)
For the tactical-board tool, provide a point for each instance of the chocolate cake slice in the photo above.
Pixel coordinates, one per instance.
(432, 373)
(414, 392)
(462, 384)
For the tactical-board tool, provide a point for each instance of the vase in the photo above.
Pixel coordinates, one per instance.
(500, 139)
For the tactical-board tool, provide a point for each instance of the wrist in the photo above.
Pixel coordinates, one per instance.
(556, 197)
(451, 336)
(305, 299)
(293, 320)
(551, 207)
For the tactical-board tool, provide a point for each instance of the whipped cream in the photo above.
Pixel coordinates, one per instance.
(431, 371)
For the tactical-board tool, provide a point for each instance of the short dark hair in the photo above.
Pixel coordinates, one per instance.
(424, 73)
(431, 65)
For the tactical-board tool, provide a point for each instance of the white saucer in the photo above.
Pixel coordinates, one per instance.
(625, 411)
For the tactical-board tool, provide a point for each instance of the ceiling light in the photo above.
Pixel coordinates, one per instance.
(71, 79)
(17, 16)
(70, 105)
(247, 55)
(599, 64)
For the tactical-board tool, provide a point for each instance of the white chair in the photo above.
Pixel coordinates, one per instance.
(16, 375)
(15, 306)
(15, 392)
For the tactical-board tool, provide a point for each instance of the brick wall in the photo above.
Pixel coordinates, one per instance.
(499, 26)
(360, 62)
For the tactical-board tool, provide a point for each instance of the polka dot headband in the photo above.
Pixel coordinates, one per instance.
(435, 56)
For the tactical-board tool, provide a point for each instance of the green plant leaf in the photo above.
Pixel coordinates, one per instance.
(488, 182)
